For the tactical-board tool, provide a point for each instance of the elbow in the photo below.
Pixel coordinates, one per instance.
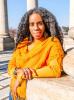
(58, 74)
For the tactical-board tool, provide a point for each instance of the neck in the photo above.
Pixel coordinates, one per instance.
(38, 40)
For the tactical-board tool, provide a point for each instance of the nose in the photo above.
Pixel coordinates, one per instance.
(36, 27)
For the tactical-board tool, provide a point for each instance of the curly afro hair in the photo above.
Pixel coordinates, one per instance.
(50, 22)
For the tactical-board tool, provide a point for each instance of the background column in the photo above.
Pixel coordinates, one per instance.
(32, 4)
(71, 19)
(5, 41)
(3, 18)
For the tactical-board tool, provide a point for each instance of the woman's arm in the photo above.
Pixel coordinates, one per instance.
(12, 64)
(54, 62)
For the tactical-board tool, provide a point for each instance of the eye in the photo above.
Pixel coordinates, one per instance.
(31, 24)
(40, 23)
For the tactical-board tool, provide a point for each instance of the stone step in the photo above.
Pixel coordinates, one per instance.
(4, 93)
(5, 82)
(4, 86)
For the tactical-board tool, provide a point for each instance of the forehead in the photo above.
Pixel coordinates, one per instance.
(35, 17)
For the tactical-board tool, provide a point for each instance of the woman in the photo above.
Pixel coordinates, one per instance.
(38, 52)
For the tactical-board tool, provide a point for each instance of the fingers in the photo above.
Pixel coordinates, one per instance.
(33, 71)
(20, 71)
(14, 94)
(28, 73)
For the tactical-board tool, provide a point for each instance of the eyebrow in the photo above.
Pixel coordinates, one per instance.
(37, 22)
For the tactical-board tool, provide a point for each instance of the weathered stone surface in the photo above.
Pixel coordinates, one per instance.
(4, 93)
(3, 18)
(71, 18)
(68, 63)
(68, 43)
(6, 43)
(32, 4)
(71, 33)
(5, 82)
(51, 89)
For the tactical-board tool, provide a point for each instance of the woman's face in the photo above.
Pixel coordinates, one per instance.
(36, 26)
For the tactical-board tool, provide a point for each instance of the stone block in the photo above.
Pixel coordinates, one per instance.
(71, 32)
(51, 89)
(68, 63)
(5, 82)
(4, 93)
(6, 43)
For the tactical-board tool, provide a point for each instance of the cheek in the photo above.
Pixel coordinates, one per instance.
(43, 29)
(30, 29)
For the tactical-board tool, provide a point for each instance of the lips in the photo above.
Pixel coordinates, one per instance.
(38, 34)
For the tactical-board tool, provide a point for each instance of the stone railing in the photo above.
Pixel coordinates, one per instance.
(51, 89)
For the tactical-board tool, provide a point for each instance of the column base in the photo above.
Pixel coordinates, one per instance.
(6, 43)
(71, 32)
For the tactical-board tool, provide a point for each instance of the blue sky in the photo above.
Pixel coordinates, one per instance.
(60, 8)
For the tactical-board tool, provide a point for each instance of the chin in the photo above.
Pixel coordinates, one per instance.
(37, 38)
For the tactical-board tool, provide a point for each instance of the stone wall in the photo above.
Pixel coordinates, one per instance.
(51, 89)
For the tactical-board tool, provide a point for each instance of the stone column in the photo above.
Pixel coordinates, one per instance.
(32, 4)
(71, 19)
(5, 40)
(3, 18)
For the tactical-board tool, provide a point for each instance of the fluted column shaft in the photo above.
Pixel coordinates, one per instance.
(32, 4)
(3, 18)
(71, 19)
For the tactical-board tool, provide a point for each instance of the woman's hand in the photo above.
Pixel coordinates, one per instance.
(28, 73)
(20, 71)
(14, 91)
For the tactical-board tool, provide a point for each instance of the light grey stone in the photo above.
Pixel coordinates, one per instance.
(5, 82)
(51, 89)
(68, 63)
(2, 77)
(4, 93)
(68, 43)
